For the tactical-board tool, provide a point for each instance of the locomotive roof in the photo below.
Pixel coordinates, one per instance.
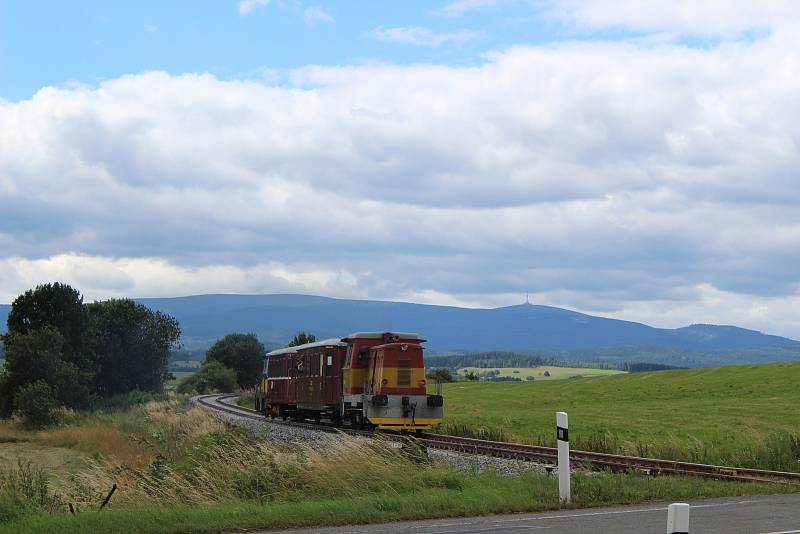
(335, 342)
(379, 335)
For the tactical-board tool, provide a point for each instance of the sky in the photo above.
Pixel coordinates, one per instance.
(632, 159)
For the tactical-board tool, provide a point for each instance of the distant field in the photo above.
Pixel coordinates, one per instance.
(179, 375)
(744, 415)
(545, 372)
(187, 363)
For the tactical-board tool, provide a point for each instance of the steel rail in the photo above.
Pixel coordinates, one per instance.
(535, 453)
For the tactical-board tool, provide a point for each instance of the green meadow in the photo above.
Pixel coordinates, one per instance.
(740, 415)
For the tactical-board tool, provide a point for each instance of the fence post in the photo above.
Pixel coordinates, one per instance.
(678, 518)
(562, 438)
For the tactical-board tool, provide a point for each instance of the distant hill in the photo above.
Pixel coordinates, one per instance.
(525, 328)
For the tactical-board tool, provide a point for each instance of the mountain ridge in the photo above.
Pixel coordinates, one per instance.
(526, 328)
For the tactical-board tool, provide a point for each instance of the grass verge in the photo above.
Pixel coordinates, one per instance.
(479, 494)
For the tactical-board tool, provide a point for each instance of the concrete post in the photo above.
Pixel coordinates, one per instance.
(562, 438)
(678, 518)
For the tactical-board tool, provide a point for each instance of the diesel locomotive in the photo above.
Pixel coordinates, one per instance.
(366, 380)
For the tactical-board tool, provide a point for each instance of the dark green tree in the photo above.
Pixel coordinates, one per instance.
(131, 344)
(472, 376)
(212, 376)
(241, 352)
(440, 375)
(57, 305)
(301, 339)
(37, 355)
(36, 403)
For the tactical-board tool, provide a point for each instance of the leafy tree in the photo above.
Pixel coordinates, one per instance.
(38, 356)
(59, 306)
(131, 344)
(212, 376)
(440, 375)
(241, 352)
(35, 403)
(301, 339)
(471, 376)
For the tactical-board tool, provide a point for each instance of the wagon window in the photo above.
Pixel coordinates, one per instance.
(328, 363)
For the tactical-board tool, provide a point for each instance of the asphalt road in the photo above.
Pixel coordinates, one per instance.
(778, 514)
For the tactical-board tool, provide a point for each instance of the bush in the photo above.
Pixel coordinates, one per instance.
(440, 375)
(25, 489)
(471, 376)
(35, 403)
(212, 376)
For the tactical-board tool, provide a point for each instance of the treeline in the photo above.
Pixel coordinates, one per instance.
(60, 351)
(493, 359)
(498, 359)
(677, 356)
(643, 367)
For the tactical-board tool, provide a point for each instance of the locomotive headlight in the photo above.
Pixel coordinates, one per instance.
(423, 382)
(384, 381)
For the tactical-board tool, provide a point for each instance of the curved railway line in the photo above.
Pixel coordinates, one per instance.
(533, 453)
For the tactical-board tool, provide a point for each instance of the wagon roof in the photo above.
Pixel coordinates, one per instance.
(379, 335)
(332, 342)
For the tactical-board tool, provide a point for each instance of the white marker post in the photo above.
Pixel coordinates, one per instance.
(678, 518)
(562, 438)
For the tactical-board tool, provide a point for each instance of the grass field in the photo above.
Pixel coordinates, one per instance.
(742, 415)
(538, 373)
(182, 470)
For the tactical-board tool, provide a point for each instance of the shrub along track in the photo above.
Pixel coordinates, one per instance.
(532, 453)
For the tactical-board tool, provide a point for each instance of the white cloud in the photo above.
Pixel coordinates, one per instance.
(415, 35)
(707, 17)
(652, 182)
(314, 15)
(459, 7)
(101, 277)
(247, 6)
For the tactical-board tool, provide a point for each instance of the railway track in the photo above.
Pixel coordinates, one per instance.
(534, 453)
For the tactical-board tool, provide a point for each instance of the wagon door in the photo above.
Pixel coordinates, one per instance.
(333, 359)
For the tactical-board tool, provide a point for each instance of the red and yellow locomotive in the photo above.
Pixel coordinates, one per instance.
(367, 379)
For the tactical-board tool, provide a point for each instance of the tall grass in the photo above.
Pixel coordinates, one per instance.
(226, 466)
(247, 398)
(24, 489)
(467, 430)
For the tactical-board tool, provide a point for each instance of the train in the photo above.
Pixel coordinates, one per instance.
(367, 380)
